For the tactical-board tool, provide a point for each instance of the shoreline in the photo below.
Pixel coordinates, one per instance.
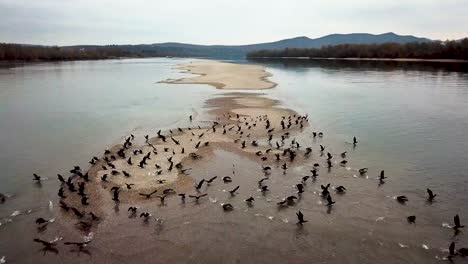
(366, 59)
(226, 76)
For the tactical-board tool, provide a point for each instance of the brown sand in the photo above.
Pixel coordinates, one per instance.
(224, 75)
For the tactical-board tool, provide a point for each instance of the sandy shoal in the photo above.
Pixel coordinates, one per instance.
(224, 75)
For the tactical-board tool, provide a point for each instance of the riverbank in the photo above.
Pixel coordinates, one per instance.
(365, 59)
(224, 75)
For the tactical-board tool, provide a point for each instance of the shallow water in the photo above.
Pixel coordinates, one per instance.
(410, 121)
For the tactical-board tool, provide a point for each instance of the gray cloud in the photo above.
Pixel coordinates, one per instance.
(222, 21)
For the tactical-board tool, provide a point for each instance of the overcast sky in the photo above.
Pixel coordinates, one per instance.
(66, 22)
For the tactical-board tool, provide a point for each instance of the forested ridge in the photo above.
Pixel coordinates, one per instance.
(426, 50)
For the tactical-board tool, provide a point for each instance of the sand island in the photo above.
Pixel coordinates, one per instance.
(224, 75)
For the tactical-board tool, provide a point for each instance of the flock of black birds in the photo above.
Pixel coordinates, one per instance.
(279, 153)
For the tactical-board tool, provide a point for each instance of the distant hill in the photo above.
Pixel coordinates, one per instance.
(175, 49)
(236, 51)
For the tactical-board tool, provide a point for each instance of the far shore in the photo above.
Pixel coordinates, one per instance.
(369, 59)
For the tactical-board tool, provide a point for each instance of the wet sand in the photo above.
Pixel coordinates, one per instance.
(224, 75)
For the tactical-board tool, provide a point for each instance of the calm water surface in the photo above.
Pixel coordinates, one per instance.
(410, 119)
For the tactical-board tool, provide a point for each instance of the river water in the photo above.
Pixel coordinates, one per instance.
(411, 119)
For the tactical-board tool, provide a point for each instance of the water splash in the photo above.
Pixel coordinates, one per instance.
(56, 239)
(3, 260)
(270, 217)
(403, 245)
(380, 218)
(285, 220)
(15, 213)
(446, 225)
(51, 206)
(425, 247)
(88, 237)
(213, 200)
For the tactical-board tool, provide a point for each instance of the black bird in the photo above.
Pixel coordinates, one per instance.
(116, 191)
(114, 172)
(284, 167)
(343, 154)
(77, 212)
(452, 249)
(175, 141)
(228, 207)
(211, 179)
(36, 177)
(71, 187)
(227, 179)
(64, 206)
(260, 182)
(363, 171)
(382, 175)
(322, 148)
(431, 195)
(355, 141)
(234, 190)
(129, 185)
(343, 162)
(198, 196)
(60, 178)
(81, 188)
(308, 151)
(329, 164)
(161, 198)
(300, 217)
(48, 246)
(300, 188)
(126, 174)
(340, 189)
(129, 161)
(463, 252)
(305, 178)
(84, 200)
(250, 199)
(182, 196)
(330, 202)
(148, 195)
(93, 216)
(264, 188)
(329, 156)
(104, 178)
(61, 193)
(146, 215)
(41, 221)
(402, 199)
(456, 221)
(200, 184)
(325, 191)
(132, 209)
(411, 219)
(314, 172)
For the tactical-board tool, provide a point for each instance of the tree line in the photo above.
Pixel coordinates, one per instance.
(15, 52)
(416, 50)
